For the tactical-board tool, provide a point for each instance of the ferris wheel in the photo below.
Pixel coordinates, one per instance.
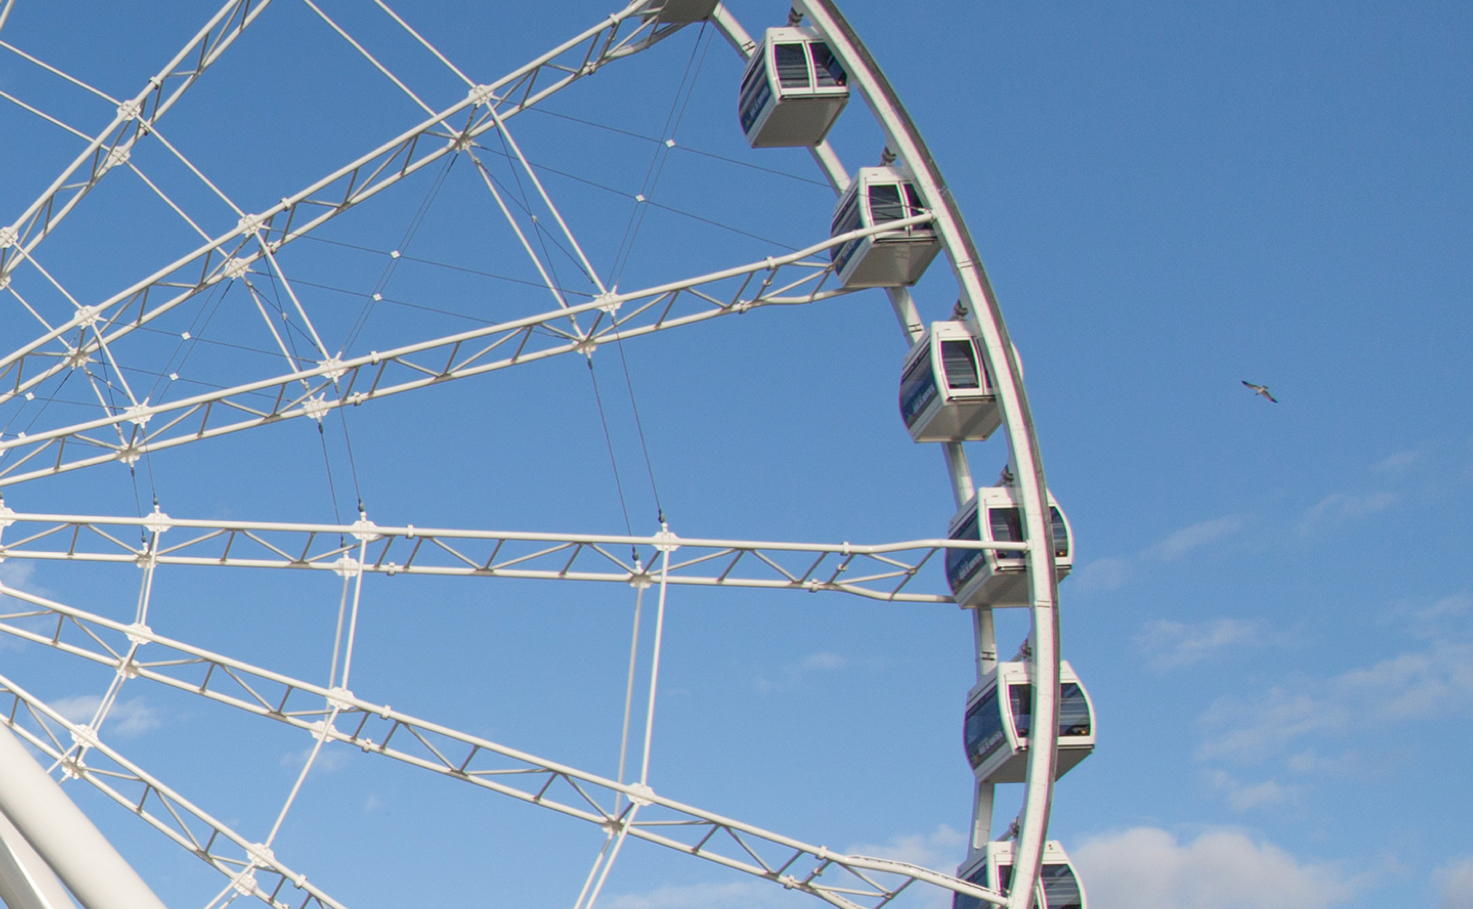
(196, 334)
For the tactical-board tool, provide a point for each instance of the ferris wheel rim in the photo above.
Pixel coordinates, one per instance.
(987, 320)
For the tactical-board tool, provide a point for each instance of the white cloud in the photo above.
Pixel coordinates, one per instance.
(1101, 574)
(1340, 507)
(1400, 461)
(1243, 796)
(1456, 881)
(732, 895)
(329, 759)
(1146, 868)
(1406, 687)
(126, 718)
(939, 850)
(16, 573)
(822, 660)
(1195, 537)
(791, 676)
(1174, 644)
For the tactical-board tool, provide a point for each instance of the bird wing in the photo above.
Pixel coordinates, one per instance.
(1269, 396)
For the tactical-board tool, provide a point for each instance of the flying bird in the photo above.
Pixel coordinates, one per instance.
(1261, 391)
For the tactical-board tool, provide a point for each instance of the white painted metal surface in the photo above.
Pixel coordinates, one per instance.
(326, 381)
(58, 830)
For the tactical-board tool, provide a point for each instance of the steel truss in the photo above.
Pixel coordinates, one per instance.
(880, 572)
(793, 279)
(333, 713)
(863, 882)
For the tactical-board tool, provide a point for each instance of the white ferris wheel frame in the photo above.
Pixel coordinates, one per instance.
(313, 389)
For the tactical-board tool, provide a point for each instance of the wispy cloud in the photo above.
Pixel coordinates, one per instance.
(1404, 688)
(1339, 507)
(329, 759)
(938, 850)
(732, 895)
(126, 718)
(1174, 644)
(1146, 868)
(1243, 796)
(1455, 880)
(792, 676)
(1195, 537)
(1101, 574)
(1399, 461)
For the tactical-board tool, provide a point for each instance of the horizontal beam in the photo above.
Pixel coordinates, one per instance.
(854, 882)
(876, 571)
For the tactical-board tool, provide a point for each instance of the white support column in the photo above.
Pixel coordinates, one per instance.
(57, 829)
(26, 881)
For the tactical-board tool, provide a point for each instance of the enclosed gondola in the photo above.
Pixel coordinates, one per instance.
(992, 867)
(680, 12)
(946, 393)
(793, 89)
(999, 720)
(999, 577)
(889, 258)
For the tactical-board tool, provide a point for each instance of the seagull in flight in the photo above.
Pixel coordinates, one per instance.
(1261, 391)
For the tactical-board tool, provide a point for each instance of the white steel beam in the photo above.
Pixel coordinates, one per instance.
(228, 255)
(131, 123)
(26, 881)
(853, 882)
(57, 829)
(252, 868)
(882, 572)
(793, 279)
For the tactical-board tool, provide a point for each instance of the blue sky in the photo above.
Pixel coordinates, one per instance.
(1270, 606)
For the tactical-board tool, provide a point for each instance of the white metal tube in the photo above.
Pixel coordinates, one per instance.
(26, 881)
(57, 829)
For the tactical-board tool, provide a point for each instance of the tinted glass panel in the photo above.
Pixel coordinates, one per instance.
(1004, 877)
(792, 65)
(1073, 710)
(1060, 887)
(1074, 716)
(1061, 533)
(1020, 698)
(984, 733)
(961, 564)
(884, 203)
(959, 360)
(959, 901)
(1007, 527)
(845, 220)
(825, 66)
(917, 388)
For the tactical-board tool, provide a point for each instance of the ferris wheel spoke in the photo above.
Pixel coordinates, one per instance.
(133, 121)
(793, 279)
(850, 881)
(879, 571)
(227, 256)
(251, 868)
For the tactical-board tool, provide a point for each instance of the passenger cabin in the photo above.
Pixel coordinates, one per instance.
(992, 867)
(891, 258)
(946, 393)
(680, 12)
(999, 719)
(793, 89)
(999, 577)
